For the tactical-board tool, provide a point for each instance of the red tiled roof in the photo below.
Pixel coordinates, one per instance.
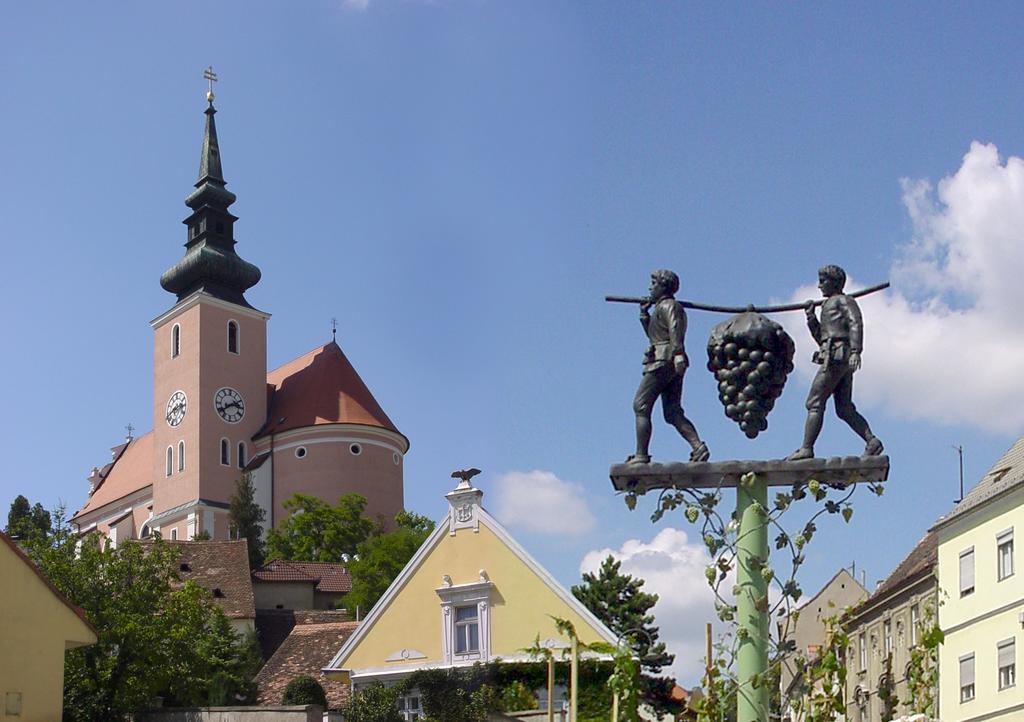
(132, 471)
(307, 650)
(222, 565)
(327, 576)
(64, 600)
(320, 387)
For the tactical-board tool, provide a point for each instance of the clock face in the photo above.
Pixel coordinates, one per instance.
(229, 405)
(176, 407)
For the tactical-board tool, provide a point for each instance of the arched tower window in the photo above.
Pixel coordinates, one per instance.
(181, 455)
(175, 340)
(241, 454)
(225, 452)
(170, 461)
(232, 337)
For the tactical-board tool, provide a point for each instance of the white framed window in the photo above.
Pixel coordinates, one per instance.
(225, 452)
(174, 534)
(409, 706)
(967, 677)
(1004, 554)
(232, 336)
(887, 637)
(467, 629)
(355, 449)
(300, 452)
(967, 572)
(862, 648)
(915, 619)
(1007, 655)
(169, 466)
(466, 619)
(175, 340)
(241, 454)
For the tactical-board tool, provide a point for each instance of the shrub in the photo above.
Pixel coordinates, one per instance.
(304, 690)
(376, 703)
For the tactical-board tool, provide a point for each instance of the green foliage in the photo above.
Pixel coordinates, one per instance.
(376, 703)
(28, 523)
(383, 556)
(156, 636)
(304, 690)
(923, 668)
(204, 535)
(315, 531)
(516, 697)
(246, 517)
(456, 694)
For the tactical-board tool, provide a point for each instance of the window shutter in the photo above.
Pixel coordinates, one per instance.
(967, 570)
(967, 670)
(1007, 653)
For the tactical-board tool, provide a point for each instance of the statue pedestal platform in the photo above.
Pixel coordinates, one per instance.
(837, 471)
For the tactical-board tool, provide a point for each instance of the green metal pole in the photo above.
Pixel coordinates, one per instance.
(752, 553)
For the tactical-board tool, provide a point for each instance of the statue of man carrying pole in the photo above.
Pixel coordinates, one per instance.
(665, 362)
(840, 338)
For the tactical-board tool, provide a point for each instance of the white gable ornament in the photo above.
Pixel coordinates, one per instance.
(464, 506)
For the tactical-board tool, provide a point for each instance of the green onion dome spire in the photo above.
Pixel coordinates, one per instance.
(210, 263)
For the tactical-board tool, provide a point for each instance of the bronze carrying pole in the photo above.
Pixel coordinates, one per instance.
(744, 309)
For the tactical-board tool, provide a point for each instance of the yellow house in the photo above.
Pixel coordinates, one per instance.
(470, 594)
(37, 624)
(982, 597)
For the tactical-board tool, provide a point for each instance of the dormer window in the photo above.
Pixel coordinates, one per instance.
(232, 337)
(175, 341)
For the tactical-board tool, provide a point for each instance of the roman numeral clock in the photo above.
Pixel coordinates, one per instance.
(229, 405)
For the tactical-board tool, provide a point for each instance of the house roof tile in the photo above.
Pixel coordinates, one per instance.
(222, 565)
(321, 387)
(130, 471)
(328, 577)
(307, 650)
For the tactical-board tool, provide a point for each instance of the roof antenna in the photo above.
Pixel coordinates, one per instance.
(960, 452)
(334, 330)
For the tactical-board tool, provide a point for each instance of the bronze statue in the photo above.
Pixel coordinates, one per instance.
(840, 337)
(665, 362)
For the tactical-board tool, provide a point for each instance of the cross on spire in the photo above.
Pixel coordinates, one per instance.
(334, 329)
(211, 77)
(131, 430)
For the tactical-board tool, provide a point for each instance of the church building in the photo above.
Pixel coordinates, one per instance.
(310, 426)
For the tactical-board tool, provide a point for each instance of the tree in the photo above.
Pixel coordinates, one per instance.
(156, 636)
(375, 703)
(382, 557)
(315, 531)
(619, 601)
(246, 518)
(26, 522)
(304, 690)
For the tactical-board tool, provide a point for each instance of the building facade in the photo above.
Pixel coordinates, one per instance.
(982, 610)
(807, 628)
(310, 426)
(883, 631)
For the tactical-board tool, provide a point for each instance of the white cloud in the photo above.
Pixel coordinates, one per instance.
(673, 568)
(946, 344)
(539, 501)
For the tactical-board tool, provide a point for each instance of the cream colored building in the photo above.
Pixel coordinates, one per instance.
(37, 625)
(807, 629)
(982, 605)
(470, 594)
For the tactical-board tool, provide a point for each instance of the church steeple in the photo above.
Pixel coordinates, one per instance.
(210, 263)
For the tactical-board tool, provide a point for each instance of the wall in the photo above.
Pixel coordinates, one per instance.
(35, 630)
(289, 595)
(303, 713)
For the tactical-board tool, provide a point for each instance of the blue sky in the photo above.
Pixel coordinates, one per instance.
(460, 184)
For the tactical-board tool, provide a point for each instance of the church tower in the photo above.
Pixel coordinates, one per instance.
(209, 363)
